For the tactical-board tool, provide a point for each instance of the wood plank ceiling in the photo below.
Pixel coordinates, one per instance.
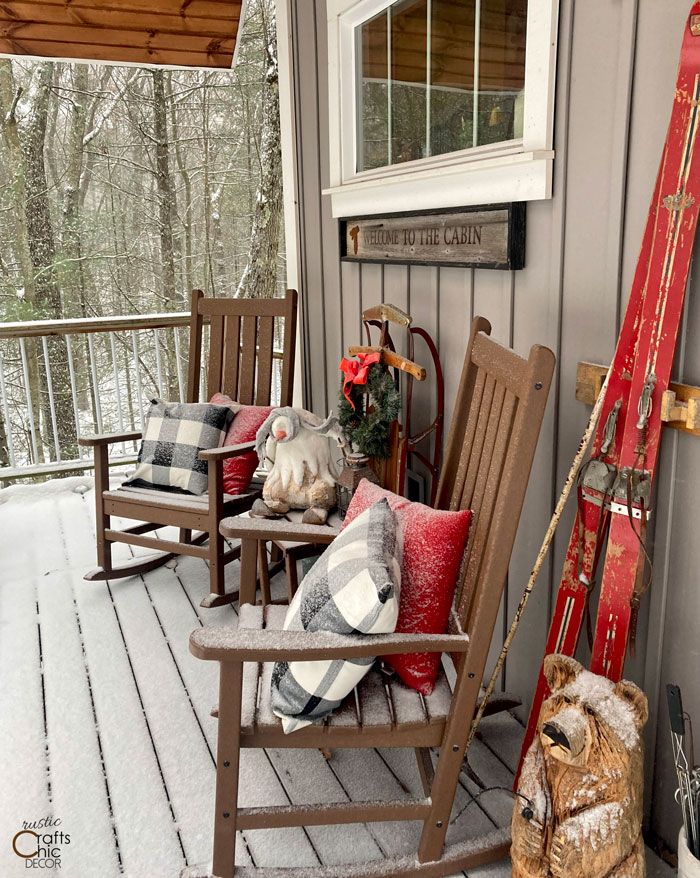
(185, 33)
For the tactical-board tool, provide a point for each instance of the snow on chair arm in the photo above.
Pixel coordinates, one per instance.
(109, 438)
(246, 645)
(227, 451)
(238, 527)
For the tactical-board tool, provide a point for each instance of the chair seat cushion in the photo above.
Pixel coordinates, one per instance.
(352, 589)
(239, 471)
(434, 541)
(173, 436)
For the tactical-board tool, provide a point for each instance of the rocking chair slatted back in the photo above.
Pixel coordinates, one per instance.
(242, 347)
(494, 432)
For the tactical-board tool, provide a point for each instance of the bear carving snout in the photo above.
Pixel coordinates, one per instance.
(567, 736)
(556, 735)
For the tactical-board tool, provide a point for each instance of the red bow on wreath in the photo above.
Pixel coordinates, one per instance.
(356, 372)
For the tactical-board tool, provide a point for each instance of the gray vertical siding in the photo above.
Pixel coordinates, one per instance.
(617, 63)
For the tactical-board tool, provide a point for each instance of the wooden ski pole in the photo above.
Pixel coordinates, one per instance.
(563, 497)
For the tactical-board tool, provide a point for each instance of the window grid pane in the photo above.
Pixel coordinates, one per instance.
(439, 76)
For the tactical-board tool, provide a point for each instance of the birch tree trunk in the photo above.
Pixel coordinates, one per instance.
(166, 194)
(9, 97)
(259, 279)
(186, 246)
(166, 203)
(71, 271)
(42, 248)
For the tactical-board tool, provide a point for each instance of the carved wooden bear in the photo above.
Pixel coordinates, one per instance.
(579, 809)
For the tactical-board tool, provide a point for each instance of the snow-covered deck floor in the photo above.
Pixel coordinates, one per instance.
(104, 720)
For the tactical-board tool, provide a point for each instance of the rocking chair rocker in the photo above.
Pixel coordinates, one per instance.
(499, 411)
(241, 353)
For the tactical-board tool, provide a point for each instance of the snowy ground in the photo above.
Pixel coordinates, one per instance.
(105, 725)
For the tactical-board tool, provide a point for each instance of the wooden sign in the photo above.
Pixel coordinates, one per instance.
(478, 237)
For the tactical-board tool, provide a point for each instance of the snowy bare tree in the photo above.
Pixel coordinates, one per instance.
(258, 280)
(121, 189)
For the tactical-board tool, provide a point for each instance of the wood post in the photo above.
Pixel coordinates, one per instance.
(290, 563)
(104, 547)
(290, 341)
(249, 581)
(227, 764)
(264, 572)
(216, 541)
(194, 364)
(451, 757)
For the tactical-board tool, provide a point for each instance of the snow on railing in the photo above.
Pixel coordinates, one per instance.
(63, 379)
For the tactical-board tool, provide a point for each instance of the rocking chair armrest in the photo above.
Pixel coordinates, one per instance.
(252, 645)
(109, 438)
(214, 454)
(240, 528)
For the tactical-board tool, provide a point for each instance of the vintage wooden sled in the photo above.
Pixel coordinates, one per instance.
(499, 411)
(408, 442)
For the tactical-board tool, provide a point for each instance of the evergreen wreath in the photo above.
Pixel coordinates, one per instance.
(368, 431)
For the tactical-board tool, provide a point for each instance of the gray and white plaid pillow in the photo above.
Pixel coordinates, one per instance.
(174, 434)
(353, 588)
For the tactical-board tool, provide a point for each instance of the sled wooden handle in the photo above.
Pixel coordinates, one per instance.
(388, 312)
(396, 361)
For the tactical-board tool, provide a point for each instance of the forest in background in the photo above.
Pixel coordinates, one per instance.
(122, 189)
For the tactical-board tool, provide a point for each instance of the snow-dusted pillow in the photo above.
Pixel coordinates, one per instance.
(174, 434)
(434, 541)
(353, 588)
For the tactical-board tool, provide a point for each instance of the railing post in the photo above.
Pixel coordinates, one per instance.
(28, 394)
(117, 387)
(52, 406)
(178, 363)
(74, 393)
(6, 413)
(95, 384)
(139, 392)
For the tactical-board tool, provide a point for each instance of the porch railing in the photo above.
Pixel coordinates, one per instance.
(62, 379)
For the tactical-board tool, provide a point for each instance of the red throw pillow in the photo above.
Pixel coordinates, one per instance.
(433, 547)
(239, 471)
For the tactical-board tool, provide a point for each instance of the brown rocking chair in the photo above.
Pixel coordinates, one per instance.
(241, 352)
(500, 405)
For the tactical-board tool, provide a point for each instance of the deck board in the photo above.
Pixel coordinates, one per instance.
(176, 593)
(130, 762)
(22, 755)
(147, 843)
(72, 731)
(177, 612)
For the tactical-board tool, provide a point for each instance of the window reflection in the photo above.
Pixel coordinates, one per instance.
(373, 133)
(409, 70)
(437, 76)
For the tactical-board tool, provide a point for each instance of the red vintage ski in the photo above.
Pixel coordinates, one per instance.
(623, 575)
(616, 482)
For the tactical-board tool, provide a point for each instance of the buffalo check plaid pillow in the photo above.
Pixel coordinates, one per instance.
(174, 434)
(353, 588)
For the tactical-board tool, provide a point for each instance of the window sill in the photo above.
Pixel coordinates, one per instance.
(521, 176)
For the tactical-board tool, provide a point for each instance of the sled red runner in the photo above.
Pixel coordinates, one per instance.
(615, 484)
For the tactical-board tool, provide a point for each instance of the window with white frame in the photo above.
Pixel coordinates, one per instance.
(440, 103)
